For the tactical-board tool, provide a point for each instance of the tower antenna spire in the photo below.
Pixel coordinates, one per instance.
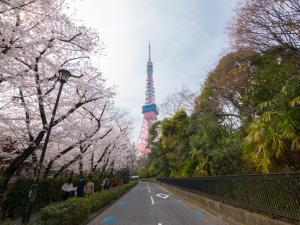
(149, 56)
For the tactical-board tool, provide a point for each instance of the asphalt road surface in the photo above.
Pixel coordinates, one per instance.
(151, 204)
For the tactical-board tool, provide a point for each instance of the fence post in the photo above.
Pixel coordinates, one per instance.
(294, 193)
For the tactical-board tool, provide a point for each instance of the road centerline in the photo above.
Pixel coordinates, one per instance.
(152, 200)
(156, 212)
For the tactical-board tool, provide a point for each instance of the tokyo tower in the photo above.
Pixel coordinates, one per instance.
(149, 110)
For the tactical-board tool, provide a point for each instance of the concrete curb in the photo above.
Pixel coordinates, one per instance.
(234, 215)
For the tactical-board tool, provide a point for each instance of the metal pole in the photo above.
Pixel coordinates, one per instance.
(34, 187)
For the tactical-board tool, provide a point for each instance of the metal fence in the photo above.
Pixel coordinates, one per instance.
(274, 194)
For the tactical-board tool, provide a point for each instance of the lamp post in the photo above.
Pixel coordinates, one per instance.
(63, 78)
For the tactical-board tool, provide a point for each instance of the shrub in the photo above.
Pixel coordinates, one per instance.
(72, 211)
(15, 199)
(76, 210)
(143, 173)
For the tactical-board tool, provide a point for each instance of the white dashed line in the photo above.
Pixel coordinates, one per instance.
(152, 200)
(159, 223)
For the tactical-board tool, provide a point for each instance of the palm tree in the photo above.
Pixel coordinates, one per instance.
(274, 133)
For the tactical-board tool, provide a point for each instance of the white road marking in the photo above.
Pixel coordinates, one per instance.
(152, 200)
(149, 189)
(164, 196)
(159, 223)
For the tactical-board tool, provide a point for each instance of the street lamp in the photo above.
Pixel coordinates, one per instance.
(63, 76)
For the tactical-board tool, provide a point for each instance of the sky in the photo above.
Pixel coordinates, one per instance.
(187, 38)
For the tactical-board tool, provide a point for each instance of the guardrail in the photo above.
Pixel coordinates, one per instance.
(275, 194)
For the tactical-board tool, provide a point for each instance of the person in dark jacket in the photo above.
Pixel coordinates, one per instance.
(80, 188)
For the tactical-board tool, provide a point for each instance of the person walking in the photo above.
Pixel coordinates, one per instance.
(105, 184)
(80, 188)
(67, 189)
(102, 185)
(89, 187)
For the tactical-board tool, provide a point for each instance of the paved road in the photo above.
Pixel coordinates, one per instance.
(142, 206)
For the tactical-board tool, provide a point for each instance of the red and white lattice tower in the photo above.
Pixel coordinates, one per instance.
(149, 111)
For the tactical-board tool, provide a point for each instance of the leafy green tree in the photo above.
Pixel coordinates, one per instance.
(273, 137)
(215, 147)
(225, 86)
(158, 157)
(175, 140)
(143, 173)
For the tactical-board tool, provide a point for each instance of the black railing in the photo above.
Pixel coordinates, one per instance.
(274, 194)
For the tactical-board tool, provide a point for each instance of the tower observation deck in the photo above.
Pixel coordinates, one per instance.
(149, 110)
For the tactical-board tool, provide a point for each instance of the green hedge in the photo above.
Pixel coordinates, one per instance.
(1, 184)
(74, 211)
(15, 199)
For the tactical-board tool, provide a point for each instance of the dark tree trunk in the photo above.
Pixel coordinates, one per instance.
(66, 166)
(80, 166)
(92, 162)
(48, 168)
(34, 164)
(101, 157)
(15, 165)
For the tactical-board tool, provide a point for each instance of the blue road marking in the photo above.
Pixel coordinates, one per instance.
(123, 202)
(110, 219)
(197, 214)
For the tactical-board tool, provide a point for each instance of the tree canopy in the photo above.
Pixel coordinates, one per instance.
(37, 39)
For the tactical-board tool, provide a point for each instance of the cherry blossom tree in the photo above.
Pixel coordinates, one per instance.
(37, 40)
